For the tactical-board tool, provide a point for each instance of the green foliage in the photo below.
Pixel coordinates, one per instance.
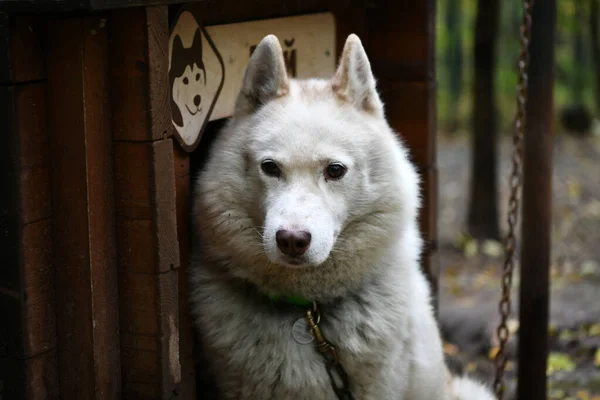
(455, 108)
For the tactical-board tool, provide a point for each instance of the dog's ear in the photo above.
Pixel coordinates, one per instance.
(354, 82)
(177, 47)
(265, 77)
(197, 44)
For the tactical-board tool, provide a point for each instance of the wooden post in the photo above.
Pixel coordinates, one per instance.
(536, 227)
(83, 204)
(147, 245)
(28, 363)
(400, 44)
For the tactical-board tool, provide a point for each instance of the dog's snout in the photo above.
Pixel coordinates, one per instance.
(197, 100)
(293, 243)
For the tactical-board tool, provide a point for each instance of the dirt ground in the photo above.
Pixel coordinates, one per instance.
(469, 273)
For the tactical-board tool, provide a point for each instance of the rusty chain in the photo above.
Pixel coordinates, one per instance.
(515, 182)
(340, 383)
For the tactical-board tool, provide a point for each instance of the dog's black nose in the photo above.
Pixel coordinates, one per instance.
(197, 100)
(293, 243)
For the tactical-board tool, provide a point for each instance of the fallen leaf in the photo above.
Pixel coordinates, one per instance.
(512, 325)
(582, 395)
(559, 362)
(492, 248)
(471, 367)
(574, 189)
(594, 330)
(450, 349)
(471, 248)
(597, 358)
(556, 393)
(589, 267)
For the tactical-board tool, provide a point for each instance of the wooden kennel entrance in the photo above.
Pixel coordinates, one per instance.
(95, 189)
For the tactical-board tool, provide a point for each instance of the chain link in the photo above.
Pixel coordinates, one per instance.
(515, 183)
(337, 374)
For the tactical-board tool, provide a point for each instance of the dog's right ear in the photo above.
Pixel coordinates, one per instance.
(265, 77)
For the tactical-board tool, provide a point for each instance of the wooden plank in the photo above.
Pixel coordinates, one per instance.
(148, 252)
(401, 40)
(21, 55)
(82, 198)
(139, 76)
(26, 288)
(408, 109)
(145, 204)
(148, 258)
(186, 340)
(27, 333)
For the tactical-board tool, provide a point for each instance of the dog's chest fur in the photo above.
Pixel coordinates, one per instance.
(249, 341)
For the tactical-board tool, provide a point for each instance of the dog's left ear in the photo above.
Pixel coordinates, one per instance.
(354, 82)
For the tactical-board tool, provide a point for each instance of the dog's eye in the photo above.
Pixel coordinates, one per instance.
(335, 171)
(197, 77)
(270, 168)
(185, 81)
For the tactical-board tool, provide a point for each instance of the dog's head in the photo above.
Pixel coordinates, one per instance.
(308, 187)
(188, 79)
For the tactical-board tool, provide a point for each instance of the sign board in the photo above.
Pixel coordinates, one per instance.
(206, 64)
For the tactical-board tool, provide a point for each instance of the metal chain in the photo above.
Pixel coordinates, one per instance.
(515, 182)
(337, 374)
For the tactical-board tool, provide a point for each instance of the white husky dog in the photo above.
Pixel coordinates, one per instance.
(309, 196)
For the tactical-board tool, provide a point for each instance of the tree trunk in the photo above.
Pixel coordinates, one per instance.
(483, 207)
(455, 59)
(578, 79)
(595, 40)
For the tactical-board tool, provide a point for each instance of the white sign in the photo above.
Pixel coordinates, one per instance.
(206, 64)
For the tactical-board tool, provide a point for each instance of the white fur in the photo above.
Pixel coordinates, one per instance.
(363, 262)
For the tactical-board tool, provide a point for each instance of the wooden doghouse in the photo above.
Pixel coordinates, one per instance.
(96, 179)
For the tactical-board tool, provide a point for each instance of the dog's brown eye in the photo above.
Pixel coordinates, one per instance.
(185, 81)
(335, 171)
(270, 168)
(197, 77)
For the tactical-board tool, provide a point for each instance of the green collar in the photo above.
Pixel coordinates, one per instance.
(295, 300)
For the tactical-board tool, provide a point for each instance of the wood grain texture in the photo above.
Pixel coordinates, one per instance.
(82, 197)
(27, 333)
(21, 54)
(408, 108)
(148, 258)
(139, 73)
(186, 342)
(148, 249)
(400, 40)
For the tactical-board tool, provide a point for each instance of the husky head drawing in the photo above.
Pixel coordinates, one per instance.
(188, 79)
(307, 185)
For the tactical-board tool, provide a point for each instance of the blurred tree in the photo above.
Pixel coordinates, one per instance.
(594, 14)
(578, 82)
(483, 206)
(454, 60)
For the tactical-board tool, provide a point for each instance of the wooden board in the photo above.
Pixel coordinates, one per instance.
(146, 210)
(82, 199)
(28, 364)
(207, 64)
(138, 74)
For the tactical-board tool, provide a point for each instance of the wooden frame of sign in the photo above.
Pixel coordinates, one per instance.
(95, 206)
